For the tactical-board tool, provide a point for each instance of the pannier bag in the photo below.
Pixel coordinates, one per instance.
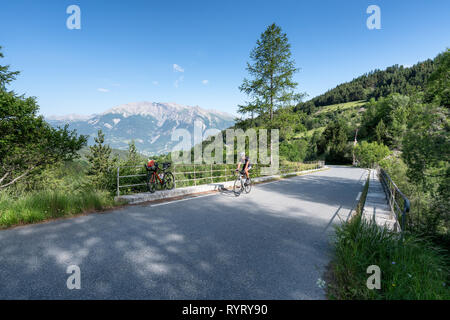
(152, 165)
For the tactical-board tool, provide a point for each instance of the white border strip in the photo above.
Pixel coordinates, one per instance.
(190, 198)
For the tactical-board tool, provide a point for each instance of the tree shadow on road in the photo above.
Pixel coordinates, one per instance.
(216, 252)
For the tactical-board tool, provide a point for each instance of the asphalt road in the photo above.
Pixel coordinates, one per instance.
(273, 243)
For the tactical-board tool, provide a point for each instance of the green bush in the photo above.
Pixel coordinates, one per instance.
(294, 151)
(369, 154)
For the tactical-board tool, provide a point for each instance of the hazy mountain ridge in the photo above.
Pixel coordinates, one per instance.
(149, 124)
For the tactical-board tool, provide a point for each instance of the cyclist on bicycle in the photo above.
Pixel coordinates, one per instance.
(246, 165)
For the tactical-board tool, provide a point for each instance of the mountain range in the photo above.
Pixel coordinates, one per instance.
(149, 124)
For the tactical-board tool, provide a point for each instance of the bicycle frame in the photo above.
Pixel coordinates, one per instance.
(155, 174)
(241, 177)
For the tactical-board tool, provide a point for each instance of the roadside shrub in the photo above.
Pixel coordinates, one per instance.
(369, 154)
(294, 151)
(410, 268)
(429, 210)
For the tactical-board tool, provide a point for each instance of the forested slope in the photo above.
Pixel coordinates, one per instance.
(375, 84)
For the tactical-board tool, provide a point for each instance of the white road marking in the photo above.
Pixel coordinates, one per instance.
(190, 198)
(358, 196)
(265, 183)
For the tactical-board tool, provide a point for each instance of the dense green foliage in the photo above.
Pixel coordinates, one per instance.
(429, 207)
(438, 85)
(27, 142)
(333, 142)
(370, 154)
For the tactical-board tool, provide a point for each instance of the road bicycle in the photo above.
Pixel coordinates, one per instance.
(242, 184)
(163, 177)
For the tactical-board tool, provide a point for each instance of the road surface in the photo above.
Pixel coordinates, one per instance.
(273, 243)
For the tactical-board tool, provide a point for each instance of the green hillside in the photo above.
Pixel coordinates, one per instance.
(342, 106)
(349, 108)
(375, 84)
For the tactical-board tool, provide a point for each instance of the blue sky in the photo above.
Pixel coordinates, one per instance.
(125, 51)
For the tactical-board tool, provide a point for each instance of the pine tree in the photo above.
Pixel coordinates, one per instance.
(6, 76)
(101, 162)
(380, 131)
(133, 157)
(271, 86)
(334, 141)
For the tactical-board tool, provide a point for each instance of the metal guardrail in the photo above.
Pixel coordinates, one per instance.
(399, 203)
(202, 173)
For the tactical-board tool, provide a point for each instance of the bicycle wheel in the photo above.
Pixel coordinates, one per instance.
(151, 184)
(169, 181)
(237, 188)
(248, 187)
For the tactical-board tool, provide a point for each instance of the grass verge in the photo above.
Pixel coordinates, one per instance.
(43, 205)
(411, 269)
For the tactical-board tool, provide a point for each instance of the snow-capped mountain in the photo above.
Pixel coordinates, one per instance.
(149, 124)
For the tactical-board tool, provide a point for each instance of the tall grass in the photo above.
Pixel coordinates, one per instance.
(411, 268)
(42, 205)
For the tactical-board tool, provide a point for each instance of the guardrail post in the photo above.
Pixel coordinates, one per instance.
(394, 193)
(392, 200)
(405, 211)
(195, 181)
(118, 187)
